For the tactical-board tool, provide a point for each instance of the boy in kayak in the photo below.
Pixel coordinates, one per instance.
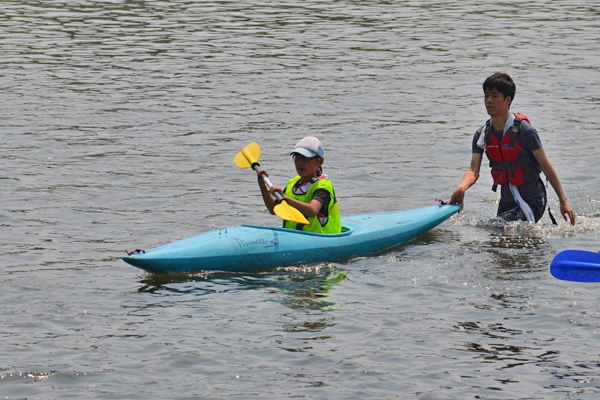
(311, 192)
(516, 157)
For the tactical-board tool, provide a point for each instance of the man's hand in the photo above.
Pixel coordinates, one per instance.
(565, 209)
(458, 197)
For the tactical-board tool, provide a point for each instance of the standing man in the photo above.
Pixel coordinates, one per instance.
(516, 156)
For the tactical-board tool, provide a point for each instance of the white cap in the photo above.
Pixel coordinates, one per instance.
(309, 147)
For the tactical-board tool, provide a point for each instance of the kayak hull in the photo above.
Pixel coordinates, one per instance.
(252, 248)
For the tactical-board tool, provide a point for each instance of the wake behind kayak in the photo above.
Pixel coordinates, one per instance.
(252, 248)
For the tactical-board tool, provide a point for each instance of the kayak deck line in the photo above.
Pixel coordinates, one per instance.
(345, 231)
(251, 248)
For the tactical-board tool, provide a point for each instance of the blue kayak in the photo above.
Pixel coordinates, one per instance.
(252, 248)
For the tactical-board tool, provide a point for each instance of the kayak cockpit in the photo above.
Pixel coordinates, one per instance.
(345, 231)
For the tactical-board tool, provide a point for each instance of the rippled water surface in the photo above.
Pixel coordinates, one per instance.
(119, 123)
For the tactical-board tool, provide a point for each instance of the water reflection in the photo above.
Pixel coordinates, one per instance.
(509, 251)
(515, 256)
(582, 375)
(304, 288)
(499, 349)
(30, 377)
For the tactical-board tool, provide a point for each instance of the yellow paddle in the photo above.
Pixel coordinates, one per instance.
(248, 158)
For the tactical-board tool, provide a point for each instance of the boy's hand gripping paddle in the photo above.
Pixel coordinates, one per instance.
(248, 158)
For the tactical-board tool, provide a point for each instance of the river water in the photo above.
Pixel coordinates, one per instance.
(119, 123)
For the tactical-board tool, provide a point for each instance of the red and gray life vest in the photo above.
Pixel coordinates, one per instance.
(509, 161)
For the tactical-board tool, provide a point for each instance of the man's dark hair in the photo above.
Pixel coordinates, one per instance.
(503, 83)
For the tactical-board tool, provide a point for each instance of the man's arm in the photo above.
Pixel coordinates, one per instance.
(468, 180)
(565, 208)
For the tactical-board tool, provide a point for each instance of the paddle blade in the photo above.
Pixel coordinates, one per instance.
(284, 211)
(576, 266)
(248, 156)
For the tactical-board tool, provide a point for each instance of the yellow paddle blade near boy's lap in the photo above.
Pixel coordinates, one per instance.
(248, 158)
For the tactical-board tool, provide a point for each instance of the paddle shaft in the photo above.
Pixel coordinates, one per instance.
(277, 195)
(248, 158)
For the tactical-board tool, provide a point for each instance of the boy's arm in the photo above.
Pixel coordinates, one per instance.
(565, 208)
(267, 197)
(307, 209)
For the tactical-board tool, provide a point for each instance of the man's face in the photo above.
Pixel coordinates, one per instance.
(495, 102)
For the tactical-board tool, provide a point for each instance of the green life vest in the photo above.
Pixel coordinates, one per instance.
(333, 225)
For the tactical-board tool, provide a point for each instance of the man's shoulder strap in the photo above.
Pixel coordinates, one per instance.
(522, 117)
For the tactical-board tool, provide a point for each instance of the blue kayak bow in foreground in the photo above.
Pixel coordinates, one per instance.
(576, 266)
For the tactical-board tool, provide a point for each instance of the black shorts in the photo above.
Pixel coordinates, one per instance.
(510, 211)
